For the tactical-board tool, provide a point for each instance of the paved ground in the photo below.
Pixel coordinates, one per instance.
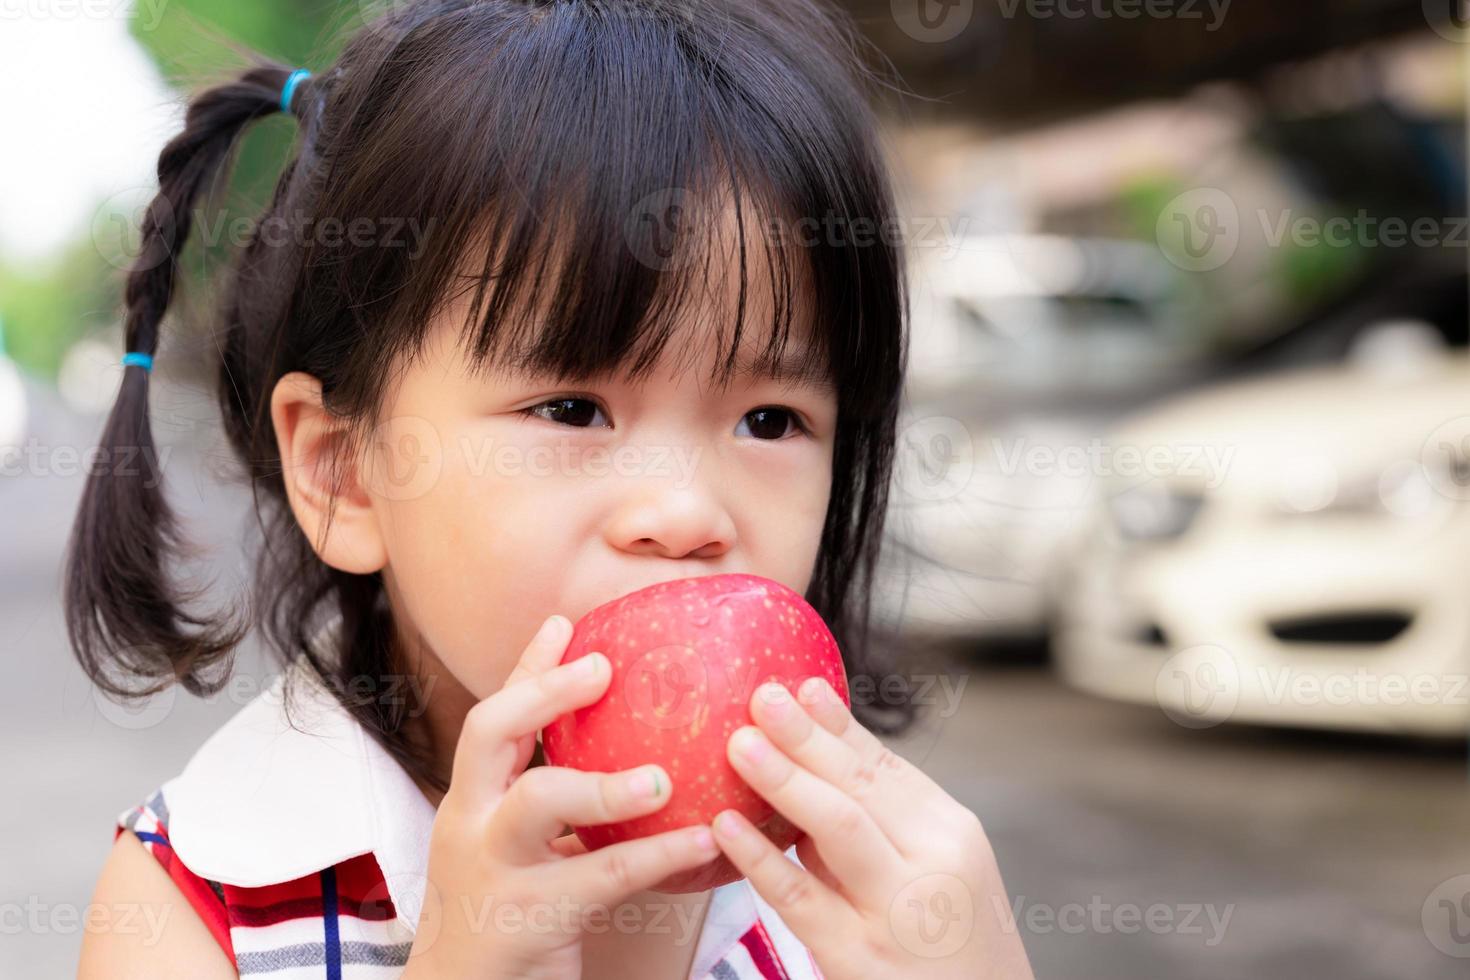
(1322, 850)
(1132, 847)
(74, 760)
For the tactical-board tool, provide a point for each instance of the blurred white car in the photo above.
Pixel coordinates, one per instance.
(1297, 552)
(1024, 347)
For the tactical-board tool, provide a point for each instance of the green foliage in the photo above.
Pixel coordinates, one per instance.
(194, 43)
(197, 37)
(44, 310)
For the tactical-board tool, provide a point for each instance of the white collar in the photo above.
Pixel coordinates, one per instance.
(268, 798)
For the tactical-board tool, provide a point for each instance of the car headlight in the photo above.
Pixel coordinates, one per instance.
(1153, 512)
(1401, 489)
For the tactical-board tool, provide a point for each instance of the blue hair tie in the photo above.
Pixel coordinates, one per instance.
(142, 360)
(289, 89)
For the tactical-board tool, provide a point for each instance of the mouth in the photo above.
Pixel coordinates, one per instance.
(646, 585)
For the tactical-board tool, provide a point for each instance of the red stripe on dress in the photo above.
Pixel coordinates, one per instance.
(763, 952)
(302, 908)
(362, 893)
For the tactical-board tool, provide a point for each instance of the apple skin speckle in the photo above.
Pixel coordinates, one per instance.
(687, 655)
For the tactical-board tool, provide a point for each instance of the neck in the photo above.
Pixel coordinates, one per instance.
(435, 725)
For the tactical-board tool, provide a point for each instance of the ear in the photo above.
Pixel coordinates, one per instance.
(309, 437)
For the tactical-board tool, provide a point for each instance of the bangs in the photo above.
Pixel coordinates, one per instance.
(605, 292)
(612, 171)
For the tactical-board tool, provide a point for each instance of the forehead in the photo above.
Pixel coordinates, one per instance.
(775, 341)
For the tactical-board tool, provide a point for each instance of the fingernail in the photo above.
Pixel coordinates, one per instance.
(775, 700)
(751, 745)
(646, 782)
(727, 825)
(816, 690)
(590, 665)
(704, 840)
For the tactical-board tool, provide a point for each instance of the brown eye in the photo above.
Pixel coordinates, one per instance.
(576, 412)
(771, 423)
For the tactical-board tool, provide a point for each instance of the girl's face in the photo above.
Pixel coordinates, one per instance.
(490, 501)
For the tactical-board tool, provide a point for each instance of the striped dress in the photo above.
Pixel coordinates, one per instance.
(304, 850)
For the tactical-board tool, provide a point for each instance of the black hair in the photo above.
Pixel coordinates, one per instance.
(567, 139)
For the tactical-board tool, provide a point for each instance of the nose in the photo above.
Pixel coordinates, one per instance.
(673, 522)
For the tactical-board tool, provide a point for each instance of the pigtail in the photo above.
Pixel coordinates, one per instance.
(122, 610)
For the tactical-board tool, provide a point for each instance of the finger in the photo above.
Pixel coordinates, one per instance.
(528, 749)
(545, 649)
(822, 704)
(541, 804)
(811, 859)
(544, 652)
(497, 729)
(851, 843)
(610, 874)
(812, 910)
(827, 709)
(870, 772)
(569, 845)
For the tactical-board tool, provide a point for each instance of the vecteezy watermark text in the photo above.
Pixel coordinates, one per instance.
(1203, 228)
(1214, 10)
(35, 458)
(38, 918)
(1100, 917)
(1098, 457)
(147, 13)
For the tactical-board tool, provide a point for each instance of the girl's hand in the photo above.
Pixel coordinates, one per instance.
(506, 895)
(899, 877)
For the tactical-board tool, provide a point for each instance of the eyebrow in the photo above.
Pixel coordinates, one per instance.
(791, 371)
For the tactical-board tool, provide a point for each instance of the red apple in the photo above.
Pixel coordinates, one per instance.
(687, 656)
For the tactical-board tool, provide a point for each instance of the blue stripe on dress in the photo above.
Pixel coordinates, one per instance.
(333, 941)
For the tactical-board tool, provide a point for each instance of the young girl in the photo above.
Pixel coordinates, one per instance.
(558, 300)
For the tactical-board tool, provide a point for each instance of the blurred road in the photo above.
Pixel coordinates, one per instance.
(1132, 847)
(74, 760)
(1257, 853)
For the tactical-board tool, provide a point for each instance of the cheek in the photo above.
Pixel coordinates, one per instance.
(792, 488)
(477, 562)
(782, 507)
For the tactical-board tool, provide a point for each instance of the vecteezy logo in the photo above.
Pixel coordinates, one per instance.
(1450, 19)
(136, 714)
(1445, 458)
(1198, 687)
(936, 458)
(932, 916)
(1199, 230)
(667, 688)
(658, 226)
(378, 904)
(406, 457)
(1446, 916)
(119, 228)
(932, 21)
(410, 452)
